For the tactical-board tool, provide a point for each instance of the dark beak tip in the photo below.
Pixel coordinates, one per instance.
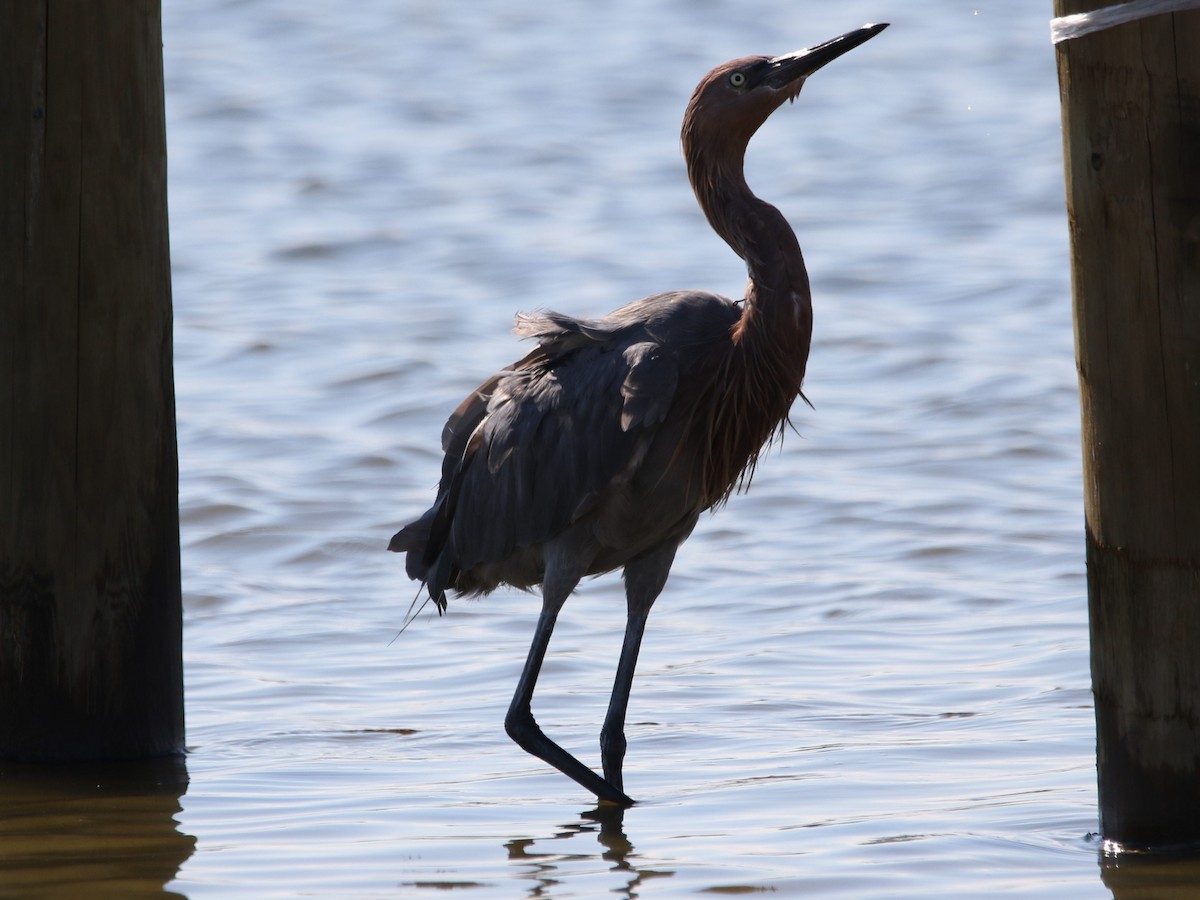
(793, 66)
(870, 29)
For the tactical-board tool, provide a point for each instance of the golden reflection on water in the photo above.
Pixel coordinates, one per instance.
(104, 829)
(1138, 877)
(112, 830)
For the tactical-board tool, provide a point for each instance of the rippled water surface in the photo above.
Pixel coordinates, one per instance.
(867, 677)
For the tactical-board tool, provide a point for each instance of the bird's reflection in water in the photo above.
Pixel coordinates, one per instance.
(546, 868)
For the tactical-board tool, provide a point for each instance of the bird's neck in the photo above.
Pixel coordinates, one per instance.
(763, 370)
(778, 303)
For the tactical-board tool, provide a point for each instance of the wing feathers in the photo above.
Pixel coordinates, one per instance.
(649, 386)
(542, 443)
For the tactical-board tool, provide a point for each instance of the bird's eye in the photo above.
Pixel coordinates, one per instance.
(738, 79)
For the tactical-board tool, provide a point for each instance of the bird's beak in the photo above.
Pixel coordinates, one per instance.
(786, 70)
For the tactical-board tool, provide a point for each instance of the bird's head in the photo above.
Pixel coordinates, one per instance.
(734, 99)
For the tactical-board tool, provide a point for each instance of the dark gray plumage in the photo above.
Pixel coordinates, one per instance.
(602, 446)
(583, 435)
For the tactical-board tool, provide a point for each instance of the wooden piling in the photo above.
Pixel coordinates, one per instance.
(90, 621)
(1131, 133)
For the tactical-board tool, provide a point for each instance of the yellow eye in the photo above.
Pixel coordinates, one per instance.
(738, 79)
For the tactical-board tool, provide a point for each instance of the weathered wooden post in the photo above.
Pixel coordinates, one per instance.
(1131, 132)
(90, 621)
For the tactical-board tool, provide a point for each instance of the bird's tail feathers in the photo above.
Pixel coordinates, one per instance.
(434, 576)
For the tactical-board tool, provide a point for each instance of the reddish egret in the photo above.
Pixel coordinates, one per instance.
(601, 447)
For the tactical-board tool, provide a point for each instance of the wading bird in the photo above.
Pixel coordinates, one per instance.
(602, 446)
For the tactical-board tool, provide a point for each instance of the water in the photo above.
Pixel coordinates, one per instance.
(866, 677)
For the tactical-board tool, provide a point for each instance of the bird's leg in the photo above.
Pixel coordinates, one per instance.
(520, 724)
(644, 580)
(612, 735)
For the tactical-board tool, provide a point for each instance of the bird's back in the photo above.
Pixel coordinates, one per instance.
(588, 434)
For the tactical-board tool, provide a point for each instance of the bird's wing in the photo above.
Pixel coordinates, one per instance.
(536, 446)
(540, 444)
(649, 385)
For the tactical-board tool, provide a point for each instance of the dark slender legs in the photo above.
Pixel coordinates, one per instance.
(522, 728)
(644, 580)
(612, 735)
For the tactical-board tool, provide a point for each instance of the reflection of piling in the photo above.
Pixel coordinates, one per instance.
(103, 829)
(1131, 131)
(89, 515)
